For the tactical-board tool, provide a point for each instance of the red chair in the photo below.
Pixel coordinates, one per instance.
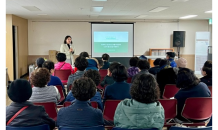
(94, 104)
(210, 88)
(110, 107)
(129, 80)
(60, 89)
(197, 109)
(170, 110)
(103, 72)
(170, 91)
(63, 75)
(50, 108)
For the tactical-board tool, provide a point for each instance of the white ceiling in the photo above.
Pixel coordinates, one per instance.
(113, 9)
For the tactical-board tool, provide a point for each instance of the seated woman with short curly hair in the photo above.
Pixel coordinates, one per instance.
(143, 110)
(81, 113)
(41, 92)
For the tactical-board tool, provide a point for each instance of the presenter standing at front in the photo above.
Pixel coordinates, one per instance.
(68, 48)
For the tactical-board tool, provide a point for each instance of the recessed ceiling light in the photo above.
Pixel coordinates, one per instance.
(96, 9)
(188, 16)
(99, 0)
(31, 8)
(208, 11)
(179, 0)
(141, 16)
(158, 9)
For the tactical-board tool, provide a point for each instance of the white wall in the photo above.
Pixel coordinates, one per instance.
(44, 36)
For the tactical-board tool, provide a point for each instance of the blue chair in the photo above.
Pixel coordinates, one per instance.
(39, 127)
(82, 128)
(183, 128)
(116, 128)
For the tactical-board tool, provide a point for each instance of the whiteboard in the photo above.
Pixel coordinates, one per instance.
(202, 41)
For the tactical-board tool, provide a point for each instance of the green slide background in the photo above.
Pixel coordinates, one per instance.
(101, 48)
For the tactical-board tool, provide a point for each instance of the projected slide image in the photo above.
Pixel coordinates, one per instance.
(110, 42)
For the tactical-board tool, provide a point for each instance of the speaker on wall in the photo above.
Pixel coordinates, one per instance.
(178, 38)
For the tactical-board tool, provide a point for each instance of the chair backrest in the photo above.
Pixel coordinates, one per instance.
(103, 72)
(60, 89)
(116, 128)
(39, 127)
(62, 74)
(50, 108)
(110, 107)
(183, 128)
(170, 108)
(197, 108)
(169, 91)
(210, 88)
(82, 128)
(94, 104)
(129, 80)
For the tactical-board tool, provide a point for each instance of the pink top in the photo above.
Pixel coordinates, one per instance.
(66, 66)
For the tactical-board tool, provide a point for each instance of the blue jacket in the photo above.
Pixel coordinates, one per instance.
(106, 65)
(96, 98)
(201, 90)
(79, 114)
(56, 81)
(172, 63)
(92, 64)
(117, 91)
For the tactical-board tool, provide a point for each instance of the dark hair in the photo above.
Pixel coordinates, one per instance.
(84, 54)
(144, 89)
(119, 73)
(61, 57)
(100, 62)
(143, 64)
(112, 66)
(164, 62)
(39, 62)
(84, 89)
(48, 65)
(208, 68)
(171, 54)
(186, 78)
(66, 39)
(133, 61)
(157, 61)
(40, 77)
(94, 75)
(105, 56)
(81, 63)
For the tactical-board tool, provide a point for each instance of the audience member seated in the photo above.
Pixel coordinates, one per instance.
(80, 63)
(62, 65)
(206, 71)
(54, 80)
(19, 91)
(41, 92)
(154, 70)
(81, 113)
(84, 54)
(95, 76)
(190, 86)
(143, 110)
(133, 70)
(92, 64)
(39, 63)
(108, 79)
(120, 89)
(143, 57)
(100, 64)
(164, 64)
(143, 68)
(169, 75)
(105, 59)
(170, 57)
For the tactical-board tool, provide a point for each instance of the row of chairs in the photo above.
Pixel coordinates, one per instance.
(194, 108)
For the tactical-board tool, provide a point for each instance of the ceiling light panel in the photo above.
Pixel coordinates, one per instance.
(188, 16)
(31, 8)
(96, 9)
(158, 9)
(208, 11)
(141, 16)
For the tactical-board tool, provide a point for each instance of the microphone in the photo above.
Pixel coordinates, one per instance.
(71, 47)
